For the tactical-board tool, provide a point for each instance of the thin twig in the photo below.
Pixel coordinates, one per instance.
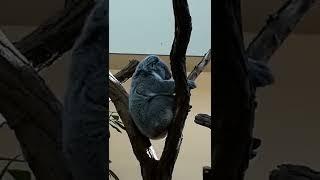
(125, 73)
(4, 170)
(201, 66)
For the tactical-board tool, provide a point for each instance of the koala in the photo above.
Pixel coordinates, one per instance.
(84, 127)
(151, 98)
(259, 73)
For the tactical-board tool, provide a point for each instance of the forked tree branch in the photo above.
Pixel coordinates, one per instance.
(183, 28)
(33, 112)
(127, 72)
(277, 29)
(55, 36)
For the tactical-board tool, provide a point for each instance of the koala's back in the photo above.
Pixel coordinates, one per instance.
(151, 98)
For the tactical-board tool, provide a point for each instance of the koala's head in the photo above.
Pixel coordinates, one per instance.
(153, 64)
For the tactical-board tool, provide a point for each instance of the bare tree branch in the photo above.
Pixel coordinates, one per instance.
(55, 36)
(278, 28)
(125, 73)
(12, 159)
(183, 27)
(296, 172)
(2, 124)
(141, 145)
(33, 112)
(203, 120)
(201, 65)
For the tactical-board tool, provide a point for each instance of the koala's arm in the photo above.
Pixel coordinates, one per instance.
(85, 130)
(164, 86)
(259, 73)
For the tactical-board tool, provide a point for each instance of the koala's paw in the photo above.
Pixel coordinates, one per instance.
(191, 84)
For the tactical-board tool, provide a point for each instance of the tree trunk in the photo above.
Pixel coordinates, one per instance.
(233, 98)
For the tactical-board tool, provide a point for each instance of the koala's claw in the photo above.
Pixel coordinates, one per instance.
(192, 84)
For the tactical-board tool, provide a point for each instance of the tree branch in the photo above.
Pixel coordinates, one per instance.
(33, 112)
(12, 159)
(278, 27)
(125, 73)
(201, 65)
(203, 120)
(55, 36)
(183, 27)
(296, 172)
(141, 145)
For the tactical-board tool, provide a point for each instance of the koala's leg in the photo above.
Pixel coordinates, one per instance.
(85, 128)
(159, 115)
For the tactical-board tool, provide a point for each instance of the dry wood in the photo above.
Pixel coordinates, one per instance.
(141, 145)
(203, 120)
(55, 36)
(294, 172)
(125, 73)
(201, 65)
(33, 112)
(277, 29)
(183, 28)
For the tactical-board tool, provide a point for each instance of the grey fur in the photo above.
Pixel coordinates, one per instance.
(151, 99)
(85, 128)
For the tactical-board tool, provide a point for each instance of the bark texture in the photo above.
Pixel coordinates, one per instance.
(234, 96)
(51, 39)
(294, 172)
(33, 112)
